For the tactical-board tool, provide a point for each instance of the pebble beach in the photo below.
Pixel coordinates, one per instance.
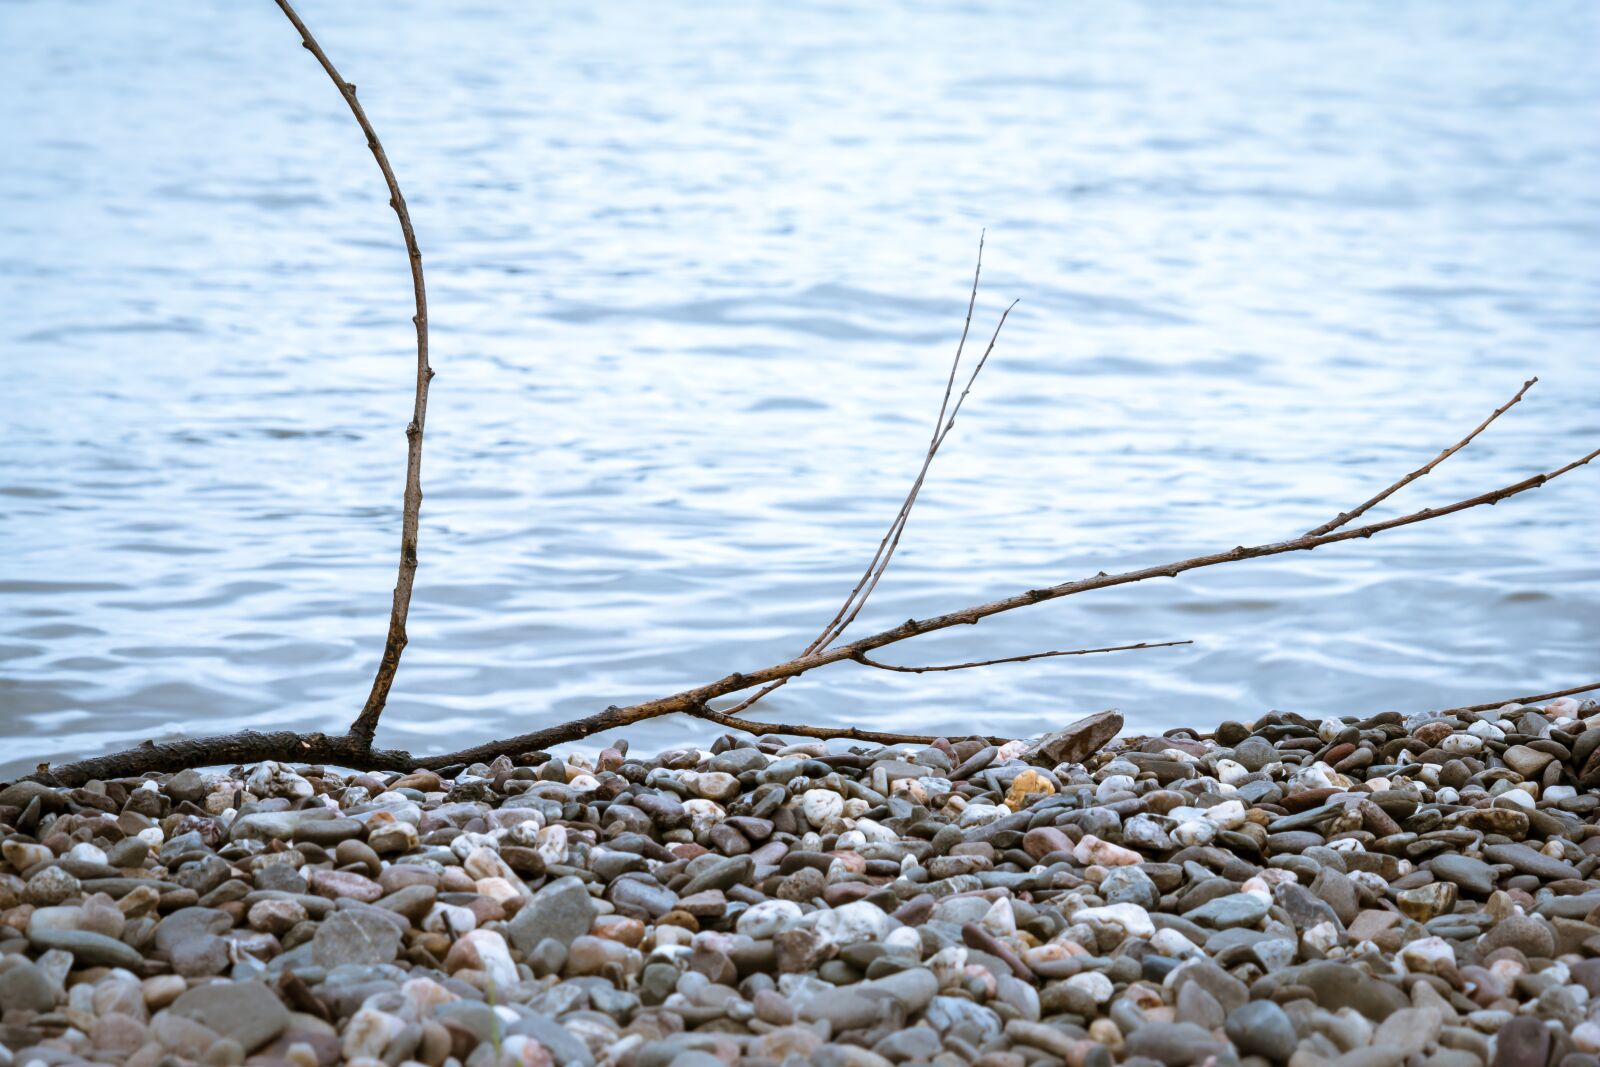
(1376, 892)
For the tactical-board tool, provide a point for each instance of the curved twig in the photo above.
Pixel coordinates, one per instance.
(366, 724)
(1361, 509)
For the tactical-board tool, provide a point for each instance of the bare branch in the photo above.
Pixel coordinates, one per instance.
(1356, 512)
(1537, 698)
(862, 659)
(366, 724)
(251, 747)
(734, 683)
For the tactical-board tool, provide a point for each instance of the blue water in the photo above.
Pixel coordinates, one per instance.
(696, 274)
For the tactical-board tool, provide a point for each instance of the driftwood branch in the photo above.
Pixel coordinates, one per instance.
(366, 724)
(351, 751)
(354, 748)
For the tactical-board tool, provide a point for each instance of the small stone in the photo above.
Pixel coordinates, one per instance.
(1524, 933)
(1173, 1044)
(246, 1012)
(200, 957)
(561, 910)
(1470, 875)
(1428, 901)
(1528, 762)
(1077, 742)
(50, 886)
(25, 987)
(1026, 784)
(1225, 913)
(1262, 1028)
(355, 937)
(1522, 1042)
(821, 805)
(88, 949)
(1410, 1030)
(276, 917)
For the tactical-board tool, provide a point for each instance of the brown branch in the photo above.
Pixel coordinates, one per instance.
(1356, 512)
(863, 660)
(1537, 698)
(366, 724)
(347, 751)
(695, 701)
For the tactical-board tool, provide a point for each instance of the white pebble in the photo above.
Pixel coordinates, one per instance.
(1093, 983)
(1133, 919)
(820, 805)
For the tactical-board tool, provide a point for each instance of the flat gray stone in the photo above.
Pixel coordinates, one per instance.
(247, 1012)
(1470, 875)
(560, 910)
(25, 986)
(1339, 985)
(88, 949)
(1262, 1028)
(723, 874)
(1173, 1044)
(355, 937)
(1224, 913)
(187, 923)
(1531, 861)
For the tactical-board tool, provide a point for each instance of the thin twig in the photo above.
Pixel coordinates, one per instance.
(861, 603)
(839, 629)
(865, 661)
(366, 724)
(753, 697)
(1344, 517)
(933, 446)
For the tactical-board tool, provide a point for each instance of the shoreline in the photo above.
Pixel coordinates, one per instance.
(1391, 890)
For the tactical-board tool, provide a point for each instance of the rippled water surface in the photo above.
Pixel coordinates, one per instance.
(696, 274)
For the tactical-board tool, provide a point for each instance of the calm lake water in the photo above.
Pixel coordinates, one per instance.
(696, 274)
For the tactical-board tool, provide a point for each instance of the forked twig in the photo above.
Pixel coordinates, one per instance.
(1361, 509)
(366, 724)
(891, 539)
(916, 486)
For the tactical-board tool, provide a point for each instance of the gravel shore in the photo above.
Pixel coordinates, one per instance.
(1356, 893)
